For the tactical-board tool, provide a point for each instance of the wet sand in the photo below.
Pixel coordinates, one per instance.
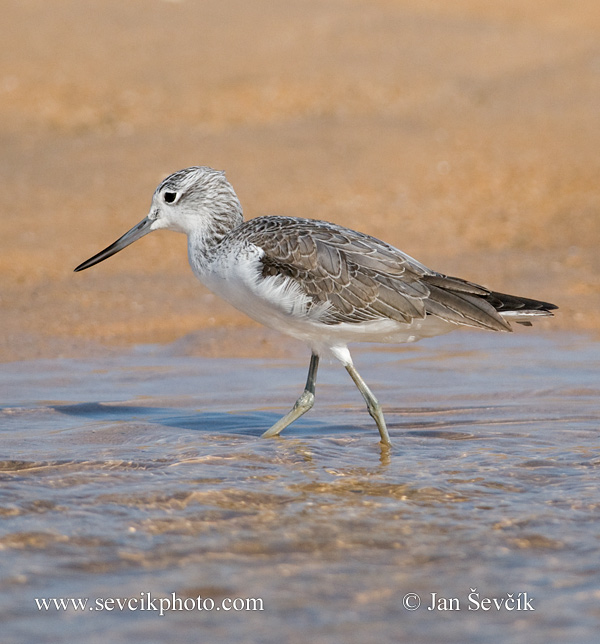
(468, 136)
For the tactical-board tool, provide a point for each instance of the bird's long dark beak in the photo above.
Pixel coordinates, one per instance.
(143, 228)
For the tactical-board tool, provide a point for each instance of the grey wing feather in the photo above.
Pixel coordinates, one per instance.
(362, 278)
(359, 277)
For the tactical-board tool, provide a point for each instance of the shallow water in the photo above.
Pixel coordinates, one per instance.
(142, 476)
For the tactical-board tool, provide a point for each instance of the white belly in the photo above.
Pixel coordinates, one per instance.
(278, 303)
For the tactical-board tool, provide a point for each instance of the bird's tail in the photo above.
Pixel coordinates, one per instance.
(521, 310)
(462, 302)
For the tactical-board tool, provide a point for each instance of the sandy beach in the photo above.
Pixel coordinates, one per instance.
(466, 135)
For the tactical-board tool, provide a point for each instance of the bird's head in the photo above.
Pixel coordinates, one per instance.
(197, 201)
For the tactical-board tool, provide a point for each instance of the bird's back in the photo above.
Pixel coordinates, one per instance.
(355, 279)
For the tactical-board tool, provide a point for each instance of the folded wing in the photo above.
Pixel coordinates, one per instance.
(360, 278)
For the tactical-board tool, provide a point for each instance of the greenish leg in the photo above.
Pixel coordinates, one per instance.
(372, 404)
(302, 405)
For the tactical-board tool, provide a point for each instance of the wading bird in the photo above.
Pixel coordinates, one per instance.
(316, 281)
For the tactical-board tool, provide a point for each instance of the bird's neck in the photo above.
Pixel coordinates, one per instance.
(203, 243)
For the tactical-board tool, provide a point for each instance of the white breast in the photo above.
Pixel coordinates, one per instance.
(237, 278)
(279, 303)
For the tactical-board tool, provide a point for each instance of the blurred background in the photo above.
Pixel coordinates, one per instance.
(465, 133)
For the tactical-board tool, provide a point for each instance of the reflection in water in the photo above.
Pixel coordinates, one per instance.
(146, 474)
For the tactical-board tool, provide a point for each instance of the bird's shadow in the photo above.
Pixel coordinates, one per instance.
(255, 423)
(210, 422)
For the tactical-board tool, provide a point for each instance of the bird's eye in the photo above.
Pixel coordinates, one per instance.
(170, 197)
